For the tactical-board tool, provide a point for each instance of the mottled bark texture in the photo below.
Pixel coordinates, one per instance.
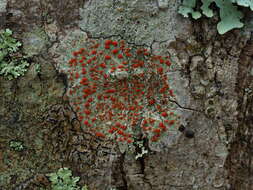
(212, 78)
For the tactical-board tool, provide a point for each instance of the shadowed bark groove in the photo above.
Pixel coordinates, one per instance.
(239, 161)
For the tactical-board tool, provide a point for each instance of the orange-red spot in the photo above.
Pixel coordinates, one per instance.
(120, 132)
(136, 65)
(128, 54)
(115, 43)
(84, 81)
(168, 63)
(103, 65)
(81, 50)
(94, 52)
(87, 105)
(151, 102)
(90, 100)
(77, 75)
(80, 118)
(160, 70)
(75, 53)
(121, 66)
(110, 91)
(115, 51)
(156, 130)
(87, 112)
(98, 134)
(108, 42)
(162, 126)
(161, 61)
(171, 92)
(107, 57)
(120, 56)
(171, 122)
(71, 61)
(164, 114)
(154, 138)
(84, 71)
(86, 122)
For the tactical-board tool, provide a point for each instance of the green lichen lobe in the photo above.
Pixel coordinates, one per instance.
(63, 180)
(12, 64)
(17, 145)
(230, 16)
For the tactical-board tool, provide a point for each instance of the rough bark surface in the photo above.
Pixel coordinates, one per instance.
(212, 78)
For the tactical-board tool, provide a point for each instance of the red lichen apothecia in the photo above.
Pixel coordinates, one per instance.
(120, 92)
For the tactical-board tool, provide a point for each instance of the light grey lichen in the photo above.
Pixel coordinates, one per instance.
(3, 4)
(163, 4)
(140, 22)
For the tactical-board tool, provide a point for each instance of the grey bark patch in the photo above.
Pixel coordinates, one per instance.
(3, 4)
(163, 4)
(35, 42)
(138, 22)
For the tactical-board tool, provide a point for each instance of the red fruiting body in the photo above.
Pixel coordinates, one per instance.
(115, 51)
(164, 114)
(107, 57)
(114, 43)
(71, 61)
(160, 70)
(84, 71)
(103, 65)
(156, 130)
(161, 61)
(94, 52)
(87, 112)
(168, 63)
(80, 118)
(128, 54)
(75, 53)
(162, 126)
(171, 122)
(110, 91)
(151, 102)
(98, 134)
(87, 105)
(110, 131)
(120, 56)
(154, 139)
(86, 122)
(171, 92)
(108, 42)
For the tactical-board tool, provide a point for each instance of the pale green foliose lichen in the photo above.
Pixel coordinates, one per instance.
(230, 16)
(63, 180)
(16, 145)
(11, 65)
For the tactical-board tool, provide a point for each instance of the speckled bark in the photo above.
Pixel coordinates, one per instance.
(239, 162)
(212, 81)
